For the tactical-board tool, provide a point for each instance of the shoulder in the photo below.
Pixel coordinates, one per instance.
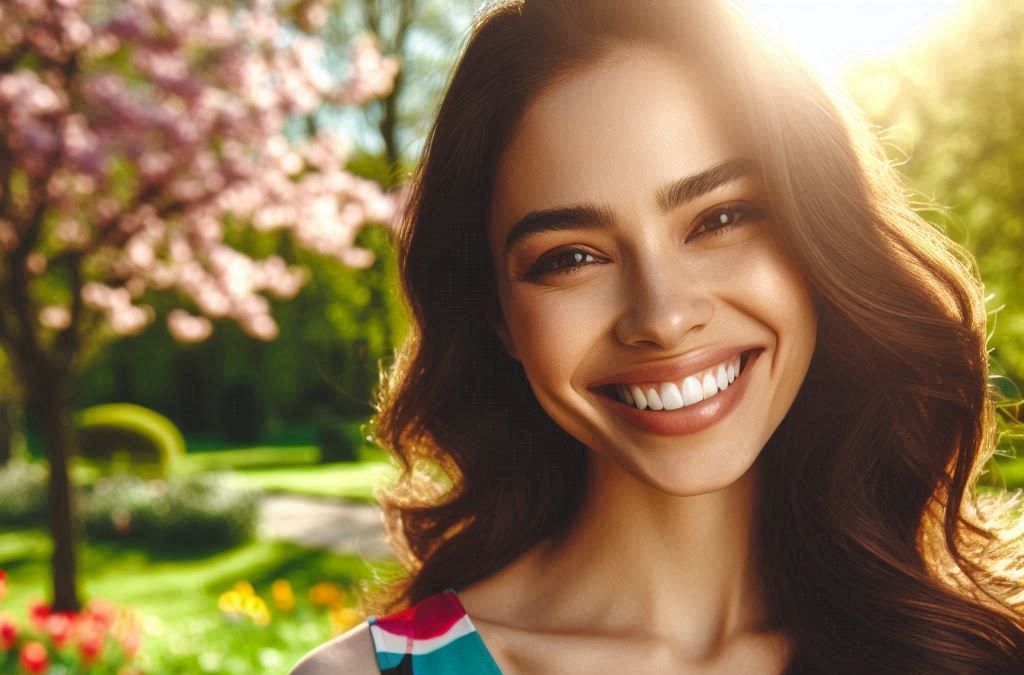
(351, 653)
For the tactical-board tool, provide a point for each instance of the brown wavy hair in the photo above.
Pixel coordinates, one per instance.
(876, 553)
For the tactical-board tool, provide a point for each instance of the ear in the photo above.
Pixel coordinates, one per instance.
(496, 318)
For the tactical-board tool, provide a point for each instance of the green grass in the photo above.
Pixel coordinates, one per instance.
(294, 435)
(268, 456)
(177, 598)
(352, 481)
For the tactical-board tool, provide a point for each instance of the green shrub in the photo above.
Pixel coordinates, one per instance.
(127, 438)
(339, 440)
(185, 514)
(243, 413)
(22, 494)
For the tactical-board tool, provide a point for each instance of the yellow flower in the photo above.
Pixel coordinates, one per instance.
(245, 589)
(256, 609)
(243, 602)
(343, 618)
(230, 604)
(326, 594)
(284, 597)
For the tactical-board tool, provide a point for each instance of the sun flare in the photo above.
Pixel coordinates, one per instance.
(834, 35)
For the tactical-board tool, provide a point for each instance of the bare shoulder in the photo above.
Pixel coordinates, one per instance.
(348, 654)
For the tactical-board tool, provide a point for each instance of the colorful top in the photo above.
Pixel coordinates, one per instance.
(433, 637)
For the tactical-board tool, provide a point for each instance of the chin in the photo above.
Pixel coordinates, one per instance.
(693, 475)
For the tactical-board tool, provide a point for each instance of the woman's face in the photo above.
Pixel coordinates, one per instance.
(637, 263)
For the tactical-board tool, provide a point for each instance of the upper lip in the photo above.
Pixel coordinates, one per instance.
(673, 370)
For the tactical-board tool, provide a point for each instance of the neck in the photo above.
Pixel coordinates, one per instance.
(677, 568)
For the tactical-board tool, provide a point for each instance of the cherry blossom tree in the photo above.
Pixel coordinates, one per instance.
(133, 136)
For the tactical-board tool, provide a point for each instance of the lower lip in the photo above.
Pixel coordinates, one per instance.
(688, 419)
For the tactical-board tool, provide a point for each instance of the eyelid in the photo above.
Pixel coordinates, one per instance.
(533, 273)
(751, 210)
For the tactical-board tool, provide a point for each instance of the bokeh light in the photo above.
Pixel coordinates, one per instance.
(834, 35)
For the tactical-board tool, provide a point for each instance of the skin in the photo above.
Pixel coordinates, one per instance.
(657, 576)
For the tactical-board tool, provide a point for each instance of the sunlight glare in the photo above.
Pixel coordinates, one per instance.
(834, 35)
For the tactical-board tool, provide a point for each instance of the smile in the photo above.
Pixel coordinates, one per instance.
(690, 390)
(666, 410)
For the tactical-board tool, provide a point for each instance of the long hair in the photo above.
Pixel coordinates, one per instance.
(874, 551)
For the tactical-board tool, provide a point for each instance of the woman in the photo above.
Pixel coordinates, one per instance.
(709, 396)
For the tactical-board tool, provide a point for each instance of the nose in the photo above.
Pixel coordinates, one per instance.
(662, 309)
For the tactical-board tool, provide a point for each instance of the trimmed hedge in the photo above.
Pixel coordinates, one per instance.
(127, 438)
(22, 494)
(186, 514)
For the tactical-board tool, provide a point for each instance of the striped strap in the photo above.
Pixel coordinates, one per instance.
(433, 637)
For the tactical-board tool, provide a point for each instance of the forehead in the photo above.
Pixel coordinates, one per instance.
(612, 133)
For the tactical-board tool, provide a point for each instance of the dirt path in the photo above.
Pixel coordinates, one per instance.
(341, 527)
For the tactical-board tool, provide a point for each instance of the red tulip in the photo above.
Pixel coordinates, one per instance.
(90, 643)
(34, 658)
(38, 613)
(101, 612)
(8, 632)
(3, 585)
(58, 627)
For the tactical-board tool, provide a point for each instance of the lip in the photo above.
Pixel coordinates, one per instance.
(675, 370)
(688, 419)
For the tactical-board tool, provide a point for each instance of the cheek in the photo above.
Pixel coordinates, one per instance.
(784, 303)
(552, 334)
(778, 292)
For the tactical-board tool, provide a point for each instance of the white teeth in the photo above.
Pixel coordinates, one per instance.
(638, 397)
(692, 391)
(670, 397)
(653, 400)
(721, 377)
(709, 386)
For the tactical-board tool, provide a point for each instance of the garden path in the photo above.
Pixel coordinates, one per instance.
(320, 523)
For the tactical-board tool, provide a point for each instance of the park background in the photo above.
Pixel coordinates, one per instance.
(224, 512)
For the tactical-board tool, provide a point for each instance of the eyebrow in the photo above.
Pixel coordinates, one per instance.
(591, 217)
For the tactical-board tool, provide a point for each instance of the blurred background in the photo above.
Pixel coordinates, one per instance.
(198, 292)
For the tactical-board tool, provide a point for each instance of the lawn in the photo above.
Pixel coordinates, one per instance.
(349, 481)
(296, 470)
(177, 599)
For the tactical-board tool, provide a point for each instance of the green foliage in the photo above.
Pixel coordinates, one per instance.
(243, 413)
(335, 337)
(22, 494)
(124, 437)
(339, 440)
(186, 515)
(954, 111)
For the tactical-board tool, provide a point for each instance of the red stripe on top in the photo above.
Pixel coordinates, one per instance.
(430, 618)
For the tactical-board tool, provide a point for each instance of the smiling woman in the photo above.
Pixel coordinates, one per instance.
(712, 398)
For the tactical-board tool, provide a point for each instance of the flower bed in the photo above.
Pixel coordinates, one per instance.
(100, 639)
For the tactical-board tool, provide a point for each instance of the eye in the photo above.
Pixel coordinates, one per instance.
(724, 218)
(562, 261)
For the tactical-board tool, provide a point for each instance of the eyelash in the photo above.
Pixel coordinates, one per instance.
(577, 256)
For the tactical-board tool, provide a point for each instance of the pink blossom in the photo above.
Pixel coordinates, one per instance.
(188, 328)
(55, 317)
(143, 163)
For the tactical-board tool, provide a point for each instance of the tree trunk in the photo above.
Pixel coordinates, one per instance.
(389, 125)
(52, 403)
(9, 430)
